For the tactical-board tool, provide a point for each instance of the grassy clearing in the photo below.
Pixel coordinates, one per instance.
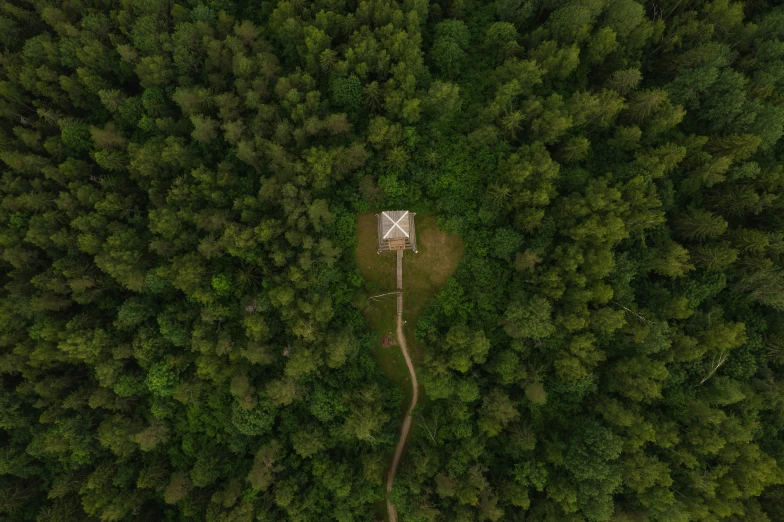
(424, 273)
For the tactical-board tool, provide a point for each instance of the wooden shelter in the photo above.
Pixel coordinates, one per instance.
(396, 231)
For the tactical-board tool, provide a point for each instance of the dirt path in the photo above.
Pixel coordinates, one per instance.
(401, 338)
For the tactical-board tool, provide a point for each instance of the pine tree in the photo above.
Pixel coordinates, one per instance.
(643, 104)
(700, 224)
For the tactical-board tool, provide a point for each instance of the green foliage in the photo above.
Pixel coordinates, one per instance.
(464, 348)
(76, 137)
(449, 48)
(161, 380)
(346, 92)
(221, 284)
(256, 421)
(590, 460)
(179, 188)
(506, 242)
(448, 56)
(132, 313)
(456, 30)
(501, 39)
(529, 319)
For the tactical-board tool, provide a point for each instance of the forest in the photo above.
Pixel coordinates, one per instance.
(182, 334)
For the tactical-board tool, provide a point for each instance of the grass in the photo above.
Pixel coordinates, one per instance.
(424, 273)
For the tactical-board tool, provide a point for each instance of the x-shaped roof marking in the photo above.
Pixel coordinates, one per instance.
(395, 223)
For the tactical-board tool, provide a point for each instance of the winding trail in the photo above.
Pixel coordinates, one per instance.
(401, 338)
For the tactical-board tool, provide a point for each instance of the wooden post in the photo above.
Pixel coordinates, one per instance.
(399, 282)
(399, 269)
(412, 232)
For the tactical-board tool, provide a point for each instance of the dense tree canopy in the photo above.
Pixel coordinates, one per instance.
(182, 334)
